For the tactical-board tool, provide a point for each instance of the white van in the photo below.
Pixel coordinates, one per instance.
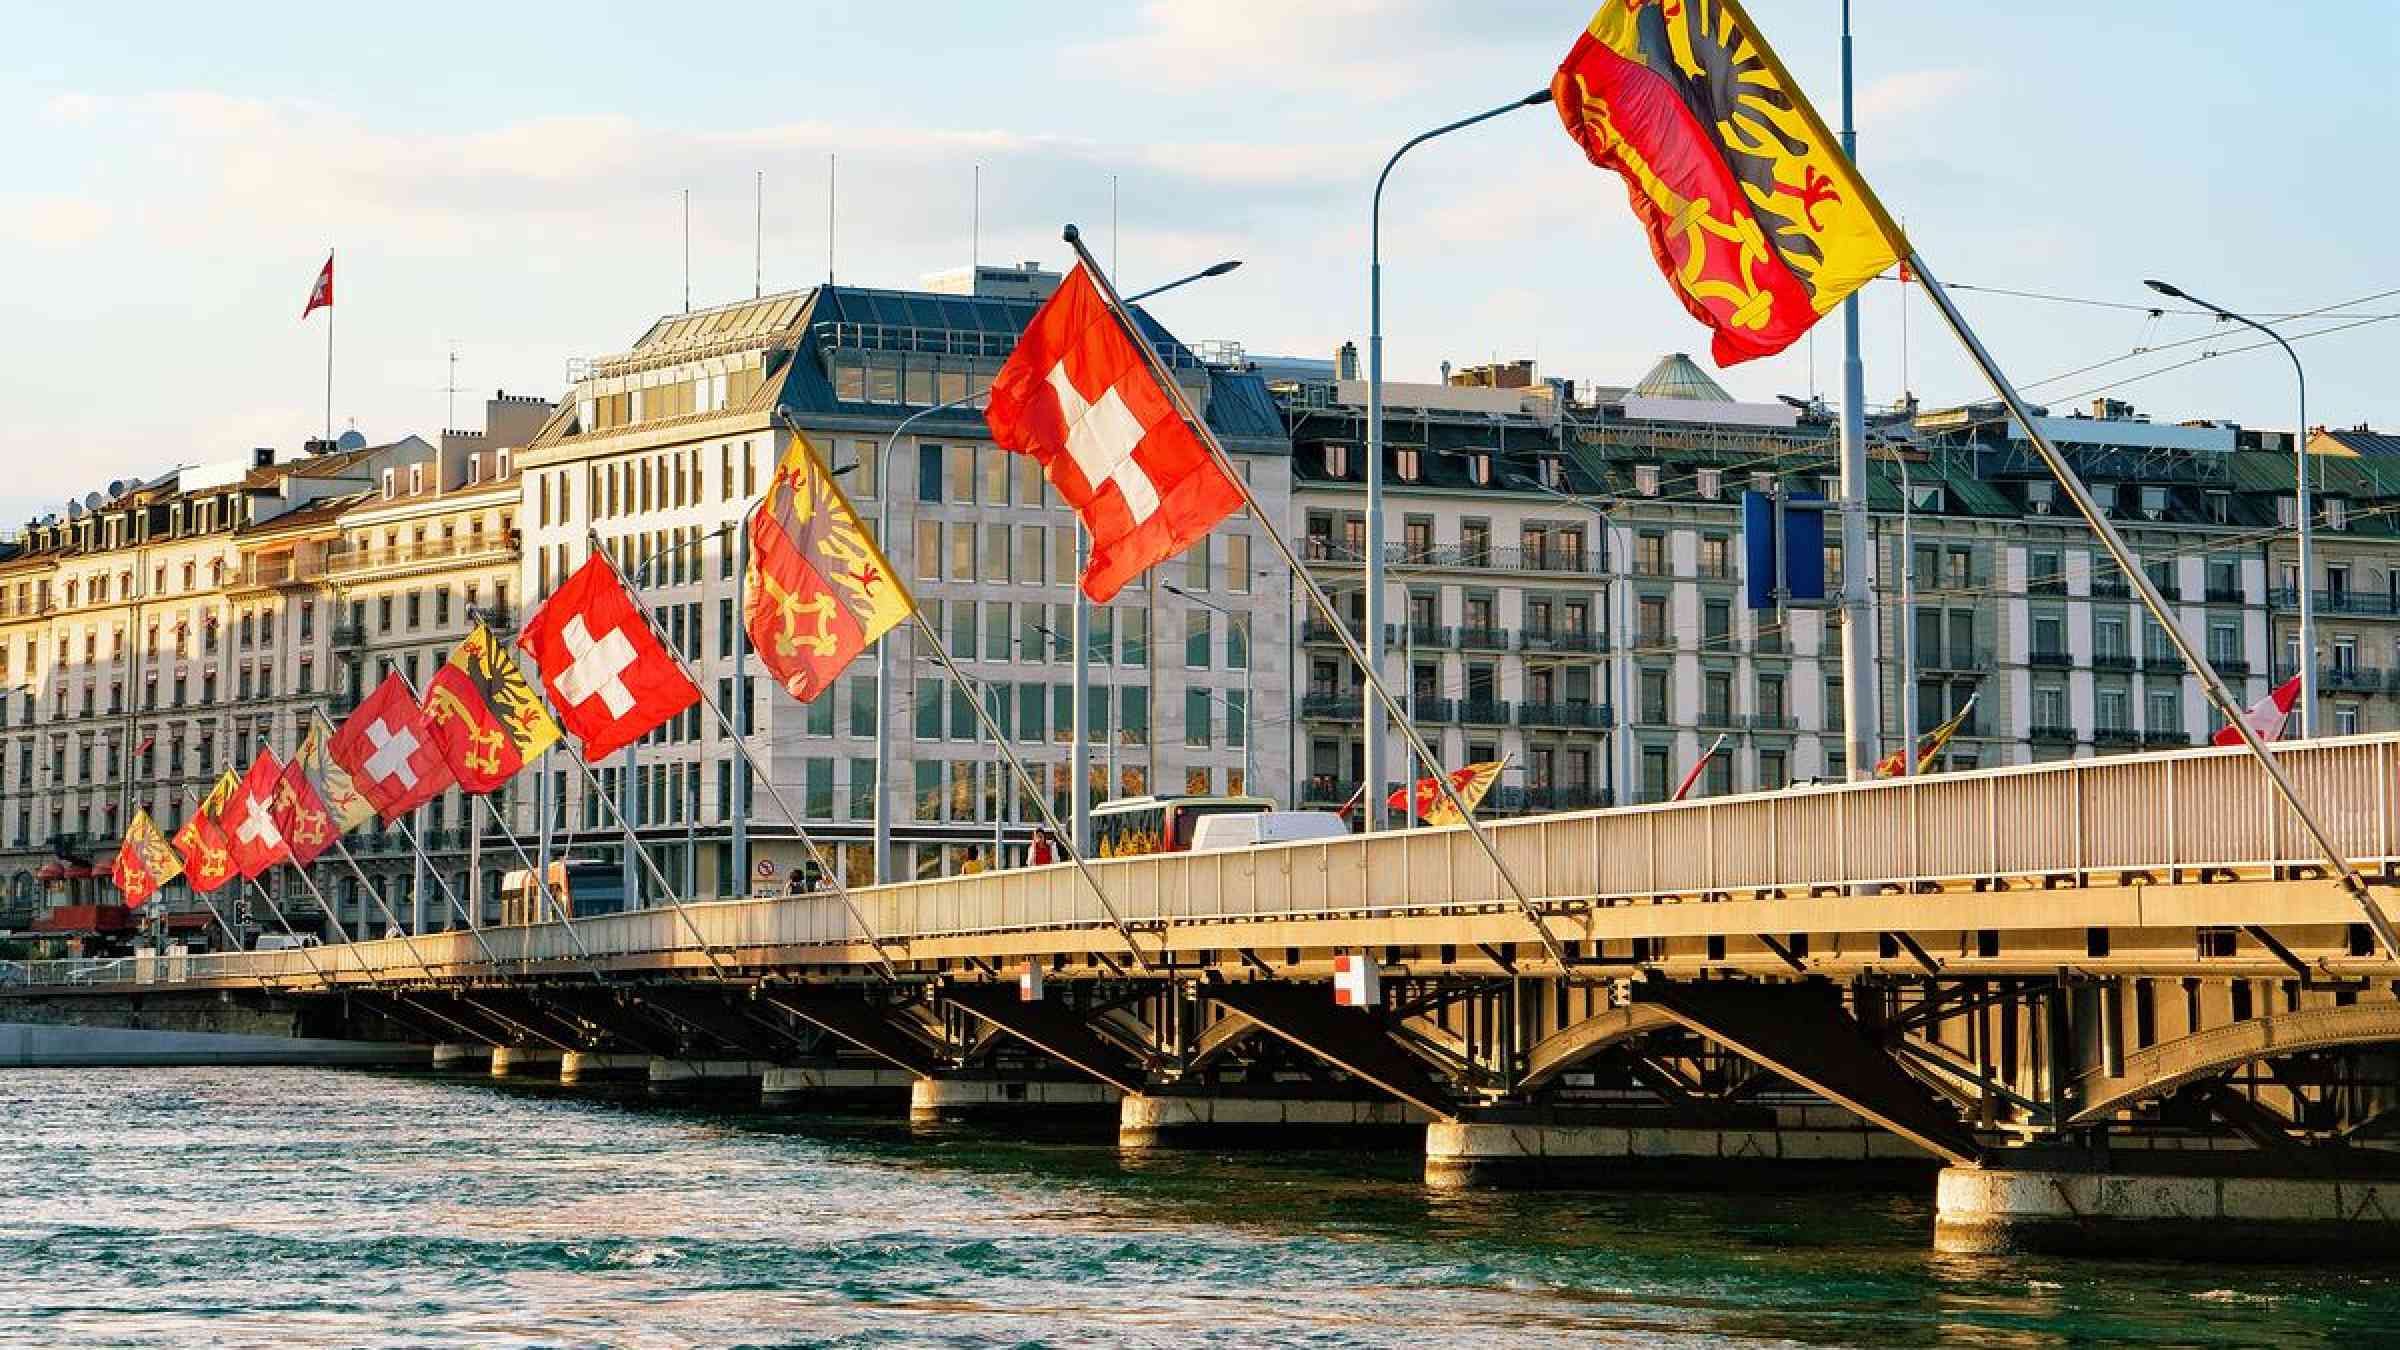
(1252, 828)
(284, 942)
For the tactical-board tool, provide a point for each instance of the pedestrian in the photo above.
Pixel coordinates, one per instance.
(1044, 850)
(974, 863)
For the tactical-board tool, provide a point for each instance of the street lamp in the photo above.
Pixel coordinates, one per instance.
(1372, 737)
(1249, 664)
(2308, 609)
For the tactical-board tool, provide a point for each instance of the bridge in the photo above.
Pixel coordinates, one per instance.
(2044, 982)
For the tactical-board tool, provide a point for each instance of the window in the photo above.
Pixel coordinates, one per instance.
(929, 472)
(929, 550)
(1196, 719)
(929, 710)
(1654, 693)
(1650, 554)
(1716, 556)
(1196, 631)
(1408, 465)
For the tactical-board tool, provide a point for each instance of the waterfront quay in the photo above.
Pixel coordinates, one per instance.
(2093, 1005)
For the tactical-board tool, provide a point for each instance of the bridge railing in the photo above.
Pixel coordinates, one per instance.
(2153, 812)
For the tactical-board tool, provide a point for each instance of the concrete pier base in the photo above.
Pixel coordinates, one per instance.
(2166, 1214)
(592, 1066)
(1194, 1120)
(944, 1101)
(461, 1055)
(835, 1086)
(1472, 1153)
(525, 1061)
(704, 1075)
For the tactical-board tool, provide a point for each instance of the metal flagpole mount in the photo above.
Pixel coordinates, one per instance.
(2144, 589)
(1320, 601)
(816, 853)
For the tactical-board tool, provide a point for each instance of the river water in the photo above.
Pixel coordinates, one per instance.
(293, 1207)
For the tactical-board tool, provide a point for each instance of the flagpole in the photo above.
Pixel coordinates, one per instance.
(408, 939)
(1318, 600)
(541, 881)
(443, 883)
(329, 353)
(2211, 684)
(808, 841)
(592, 781)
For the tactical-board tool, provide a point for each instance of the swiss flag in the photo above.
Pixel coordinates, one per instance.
(1077, 395)
(2267, 716)
(390, 752)
(320, 296)
(249, 821)
(608, 675)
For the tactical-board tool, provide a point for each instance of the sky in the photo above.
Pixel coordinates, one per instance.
(506, 182)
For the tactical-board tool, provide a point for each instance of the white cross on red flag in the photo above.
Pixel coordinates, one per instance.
(258, 842)
(320, 296)
(390, 751)
(610, 678)
(1077, 395)
(2266, 717)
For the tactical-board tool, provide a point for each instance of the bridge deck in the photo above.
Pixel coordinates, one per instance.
(2108, 843)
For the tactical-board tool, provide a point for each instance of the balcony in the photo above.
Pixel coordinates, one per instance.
(350, 635)
(2344, 601)
(2355, 679)
(281, 569)
(2051, 733)
(1417, 636)
(2163, 663)
(2120, 662)
(2046, 586)
(1317, 631)
(1484, 713)
(2231, 667)
(1431, 711)
(1333, 707)
(495, 547)
(503, 620)
(1484, 639)
(1570, 797)
(2115, 738)
(1719, 719)
(2111, 588)
(2160, 739)
(2224, 595)
(2050, 660)
(1327, 790)
(1770, 722)
(1561, 642)
(1567, 716)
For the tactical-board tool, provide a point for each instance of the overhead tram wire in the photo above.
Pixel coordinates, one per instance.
(2139, 308)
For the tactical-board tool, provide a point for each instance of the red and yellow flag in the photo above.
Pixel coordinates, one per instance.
(145, 861)
(1929, 745)
(1758, 219)
(1472, 783)
(819, 591)
(485, 717)
(207, 853)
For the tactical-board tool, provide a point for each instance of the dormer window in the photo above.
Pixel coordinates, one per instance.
(474, 469)
(1554, 473)
(2337, 513)
(416, 479)
(1408, 465)
(1479, 468)
(1337, 461)
(390, 484)
(1712, 484)
(500, 459)
(1645, 479)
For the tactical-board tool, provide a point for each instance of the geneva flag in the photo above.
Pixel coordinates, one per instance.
(1756, 216)
(1077, 395)
(819, 591)
(486, 718)
(145, 861)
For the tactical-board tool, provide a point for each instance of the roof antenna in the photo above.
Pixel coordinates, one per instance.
(758, 237)
(687, 250)
(975, 228)
(829, 188)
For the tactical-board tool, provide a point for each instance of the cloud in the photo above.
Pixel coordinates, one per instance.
(1892, 103)
(52, 220)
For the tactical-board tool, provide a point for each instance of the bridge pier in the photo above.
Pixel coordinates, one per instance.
(1617, 1150)
(950, 1099)
(2228, 1215)
(525, 1061)
(834, 1086)
(462, 1055)
(701, 1075)
(1166, 1118)
(592, 1066)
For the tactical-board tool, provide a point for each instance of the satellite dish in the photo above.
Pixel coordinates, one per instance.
(92, 501)
(74, 510)
(117, 486)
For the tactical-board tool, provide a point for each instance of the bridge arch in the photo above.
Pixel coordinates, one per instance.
(2165, 1067)
(1567, 1047)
